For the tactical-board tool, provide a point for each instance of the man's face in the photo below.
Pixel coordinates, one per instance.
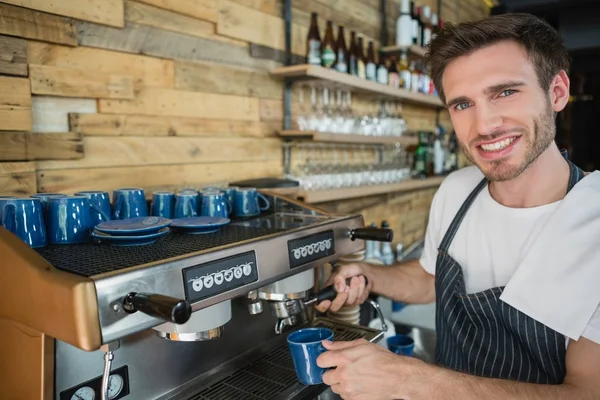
(502, 117)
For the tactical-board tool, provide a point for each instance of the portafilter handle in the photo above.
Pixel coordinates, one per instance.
(156, 305)
(376, 234)
(328, 293)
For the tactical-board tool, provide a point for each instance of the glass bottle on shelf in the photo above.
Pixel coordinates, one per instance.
(371, 66)
(382, 69)
(328, 47)
(353, 55)
(341, 55)
(393, 75)
(420, 168)
(361, 59)
(313, 42)
(415, 77)
(404, 72)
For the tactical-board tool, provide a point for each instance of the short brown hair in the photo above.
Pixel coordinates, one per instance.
(543, 44)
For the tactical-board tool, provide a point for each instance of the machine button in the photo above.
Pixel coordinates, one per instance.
(247, 269)
(197, 285)
(218, 278)
(297, 254)
(309, 249)
(208, 281)
(238, 272)
(322, 245)
(304, 251)
(328, 244)
(228, 275)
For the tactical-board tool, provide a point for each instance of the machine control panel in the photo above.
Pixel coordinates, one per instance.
(118, 387)
(311, 248)
(215, 277)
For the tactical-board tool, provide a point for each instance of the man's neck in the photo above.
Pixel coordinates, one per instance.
(543, 182)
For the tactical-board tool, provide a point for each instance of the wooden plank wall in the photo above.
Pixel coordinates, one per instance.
(99, 94)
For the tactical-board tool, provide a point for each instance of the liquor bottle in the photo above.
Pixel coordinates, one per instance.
(382, 70)
(404, 71)
(404, 25)
(328, 47)
(420, 169)
(361, 60)
(415, 24)
(393, 75)
(370, 65)
(313, 42)
(421, 27)
(430, 155)
(427, 27)
(415, 77)
(341, 59)
(353, 55)
(424, 79)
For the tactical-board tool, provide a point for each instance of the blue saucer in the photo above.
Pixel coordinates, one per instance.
(133, 226)
(129, 240)
(199, 224)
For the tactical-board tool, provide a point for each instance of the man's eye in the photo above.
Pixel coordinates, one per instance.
(461, 106)
(507, 92)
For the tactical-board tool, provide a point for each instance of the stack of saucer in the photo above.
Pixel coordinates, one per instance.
(132, 231)
(349, 315)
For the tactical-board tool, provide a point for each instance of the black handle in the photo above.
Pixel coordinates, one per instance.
(158, 306)
(377, 234)
(330, 292)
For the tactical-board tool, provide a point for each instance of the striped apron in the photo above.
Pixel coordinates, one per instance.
(479, 334)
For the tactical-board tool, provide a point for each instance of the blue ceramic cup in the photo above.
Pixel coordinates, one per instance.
(3, 200)
(45, 198)
(25, 218)
(69, 220)
(305, 346)
(401, 344)
(129, 203)
(246, 202)
(214, 204)
(230, 196)
(100, 208)
(186, 204)
(162, 204)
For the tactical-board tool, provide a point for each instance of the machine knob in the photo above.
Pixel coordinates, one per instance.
(156, 305)
(377, 234)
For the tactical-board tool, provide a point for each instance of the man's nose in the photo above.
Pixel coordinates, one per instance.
(487, 119)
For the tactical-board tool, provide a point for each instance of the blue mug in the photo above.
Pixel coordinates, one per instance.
(214, 204)
(162, 204)
(129, 203)
(246, 202)
(69, 220)
(230, 196)
(100, 207)
(45, 198)
(401, 344)
(3, 200)
(305, 346)
(25, 218)
(186, 204)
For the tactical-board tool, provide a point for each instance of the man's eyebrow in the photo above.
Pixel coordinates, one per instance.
(490, 89)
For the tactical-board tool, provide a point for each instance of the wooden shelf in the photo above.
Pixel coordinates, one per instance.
(306, 71)
(406, 140)
(414, 50)
(321, 196)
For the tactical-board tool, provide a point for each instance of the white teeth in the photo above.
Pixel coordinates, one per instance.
(499, 145)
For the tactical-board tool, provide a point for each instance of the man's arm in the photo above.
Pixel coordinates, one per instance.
(407, 282)
(582, 381)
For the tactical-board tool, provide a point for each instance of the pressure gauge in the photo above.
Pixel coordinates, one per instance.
(84, 393)
(115, 385)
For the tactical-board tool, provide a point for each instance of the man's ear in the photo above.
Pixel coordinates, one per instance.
(560, 91)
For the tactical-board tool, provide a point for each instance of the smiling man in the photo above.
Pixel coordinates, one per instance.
(511, 255)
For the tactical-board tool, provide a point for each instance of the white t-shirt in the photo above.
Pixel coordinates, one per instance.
(491, 238)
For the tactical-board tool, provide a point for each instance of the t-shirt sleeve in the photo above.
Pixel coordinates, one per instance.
(592, 330)
(430, 248)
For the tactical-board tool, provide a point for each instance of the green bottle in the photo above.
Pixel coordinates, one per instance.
(421, 157)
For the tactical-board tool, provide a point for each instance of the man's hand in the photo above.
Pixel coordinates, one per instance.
(366, 371)
(352, 295)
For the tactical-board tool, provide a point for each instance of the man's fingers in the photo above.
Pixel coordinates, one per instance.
(341, 345)
(361, 291)
(323, 306)
(353, 292)
(339, 301)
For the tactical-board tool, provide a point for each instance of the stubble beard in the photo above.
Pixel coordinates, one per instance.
(535, 143)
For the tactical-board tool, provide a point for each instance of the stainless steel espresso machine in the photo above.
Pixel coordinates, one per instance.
(190, 317)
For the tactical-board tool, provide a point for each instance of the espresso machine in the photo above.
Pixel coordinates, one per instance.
(189, 317)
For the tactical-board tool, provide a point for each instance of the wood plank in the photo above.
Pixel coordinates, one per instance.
(17, 179)
(179, 103)
(50, 114)
(320, 196)
(265, 6)
(154, 177)
(406, 140)
(138, 151)
(140, 125)
(145, 14)
(15, 104)
(67, 82)
(269, 53)
(355, 9)
(29, 24)
(13, 56)
(139, 39)
(147, 71)
(219, 78)
(201, 9)
(245, 23)
(20, 146)
(108, 12)
(356, 84)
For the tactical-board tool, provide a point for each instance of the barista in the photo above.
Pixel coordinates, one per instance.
(511, 255)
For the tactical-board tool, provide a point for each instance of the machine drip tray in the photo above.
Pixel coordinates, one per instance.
(269, 373)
